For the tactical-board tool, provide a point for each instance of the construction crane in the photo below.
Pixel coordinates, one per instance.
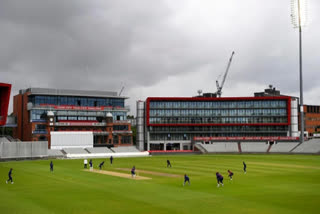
(121, 91)
(219, 87)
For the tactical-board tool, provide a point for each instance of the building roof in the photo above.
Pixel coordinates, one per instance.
(71, 92)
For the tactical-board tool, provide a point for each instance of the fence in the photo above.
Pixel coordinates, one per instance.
(17, 150)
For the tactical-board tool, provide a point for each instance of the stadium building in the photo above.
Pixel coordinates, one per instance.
(176, 123)
(312, 120)
(5, 90)
(42, 112)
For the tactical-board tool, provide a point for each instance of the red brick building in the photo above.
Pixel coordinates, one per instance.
(312, 119)
(40, 110)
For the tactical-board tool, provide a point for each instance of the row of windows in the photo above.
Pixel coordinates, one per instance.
(173, 137)
(313, 109)
(38, 115)
(40, 129)
(182, 129)
(82, 113)
(217, 120)
(41, 115)
(120, 128)
(126, 140)
(59, 118)
(76, 101)
(219, 104)
(218, 112)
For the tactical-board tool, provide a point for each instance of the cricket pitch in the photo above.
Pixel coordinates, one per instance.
(118, 174)
(152, 173)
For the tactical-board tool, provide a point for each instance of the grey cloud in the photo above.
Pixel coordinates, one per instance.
(101, 45)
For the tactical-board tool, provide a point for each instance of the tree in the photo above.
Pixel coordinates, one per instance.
(130, 117)
(134, 134)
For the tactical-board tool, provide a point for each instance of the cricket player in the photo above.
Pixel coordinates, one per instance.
(168, 164)
(90, 163)
(111, 159)
(230, 174)
(101, 164)
(10, 176)
(219, 179)
(51, 166)
(133, 172)
(186, 179)
(244, 167)
(85, 162)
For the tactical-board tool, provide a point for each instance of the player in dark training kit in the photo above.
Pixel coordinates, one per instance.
(51, 166)
(10, 176)
(91, 165)
(186, 179)
(219, 179)
(133, 172)
(111, 159)
(230, 174)
(101, 164)
(168, 164)
(244, 167)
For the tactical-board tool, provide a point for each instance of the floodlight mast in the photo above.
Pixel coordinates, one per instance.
(219, 87)
(299, 19)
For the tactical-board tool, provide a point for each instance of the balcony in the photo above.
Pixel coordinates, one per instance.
(122, 132)
(122, 121)
(31, 106)
(40, 131)
(78, 124)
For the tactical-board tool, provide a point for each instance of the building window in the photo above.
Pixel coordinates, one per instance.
(72, 118)
(125, 139)
(120, 128)
(38, 115)
(40, 129)
(115, 139)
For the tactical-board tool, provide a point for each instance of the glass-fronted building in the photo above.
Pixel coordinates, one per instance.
(173, 123)
(73, 110)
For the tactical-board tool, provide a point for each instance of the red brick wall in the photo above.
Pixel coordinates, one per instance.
(312, 120)
(17, 112)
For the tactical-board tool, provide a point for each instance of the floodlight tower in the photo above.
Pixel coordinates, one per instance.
(299, 19)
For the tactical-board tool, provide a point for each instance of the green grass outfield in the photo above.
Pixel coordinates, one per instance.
(273, 184)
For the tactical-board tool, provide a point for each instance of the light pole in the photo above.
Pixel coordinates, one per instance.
(299, 19)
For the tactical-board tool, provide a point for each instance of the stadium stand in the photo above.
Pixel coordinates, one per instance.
(200, 147)
(125, 149)
(254, 147)
(221, 147)
(310, 146)
(283, 147)
(96, 150)
(55, 153)
(75, 151)
(11, 139)
(4, 139)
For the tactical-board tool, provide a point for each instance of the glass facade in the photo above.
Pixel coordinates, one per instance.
(184, 119)
(82, 115)
(188, 133)
(76, 101)
(38, 115)
(218, 112)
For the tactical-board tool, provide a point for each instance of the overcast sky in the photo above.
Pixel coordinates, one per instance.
(158, 48)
